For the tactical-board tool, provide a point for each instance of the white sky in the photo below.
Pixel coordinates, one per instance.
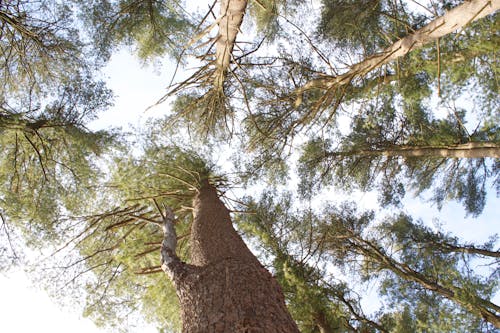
(25, 309)
(136, 88)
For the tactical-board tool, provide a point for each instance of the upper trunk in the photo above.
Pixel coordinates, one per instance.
(453, 20)
(231, 17)
(225, 289)
(213, 237)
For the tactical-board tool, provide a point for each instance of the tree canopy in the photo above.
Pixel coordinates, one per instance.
(290, 109)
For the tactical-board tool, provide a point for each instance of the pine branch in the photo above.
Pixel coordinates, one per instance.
(456, 18)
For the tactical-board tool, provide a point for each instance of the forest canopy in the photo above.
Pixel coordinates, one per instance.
(335, 132)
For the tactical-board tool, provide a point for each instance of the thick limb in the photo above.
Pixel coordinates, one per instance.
(170, 263)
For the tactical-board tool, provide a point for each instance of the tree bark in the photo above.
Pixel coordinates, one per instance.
(225, 288)
(453, 20)
(465, 150)
(231, 17)
(469, 249)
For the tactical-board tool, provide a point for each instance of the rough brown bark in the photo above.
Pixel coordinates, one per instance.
(453, 20)
(225, 288)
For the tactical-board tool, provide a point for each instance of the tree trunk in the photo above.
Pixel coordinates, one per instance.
(453, 20)
(225, 288)
(231, 17)
(465, 150)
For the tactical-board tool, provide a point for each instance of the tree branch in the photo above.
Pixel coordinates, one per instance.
(456, 18)
(170, 263)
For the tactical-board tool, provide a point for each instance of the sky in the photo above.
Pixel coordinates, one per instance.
(136, 88)
(24, 308)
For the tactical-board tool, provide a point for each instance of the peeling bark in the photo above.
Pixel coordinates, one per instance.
(225, 288)
(231, 17)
